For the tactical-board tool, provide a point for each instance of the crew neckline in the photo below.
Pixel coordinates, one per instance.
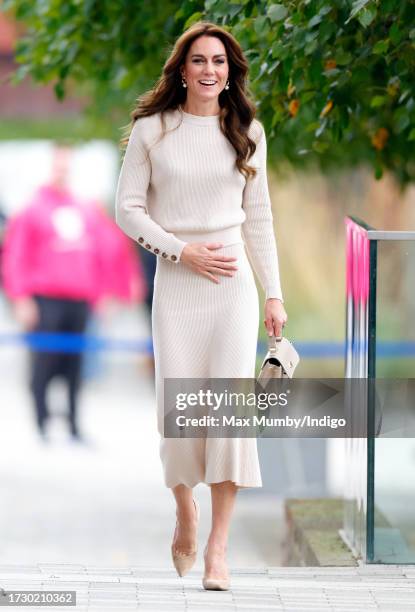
(199, 119)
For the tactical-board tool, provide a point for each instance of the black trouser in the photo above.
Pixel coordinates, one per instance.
(58, 316)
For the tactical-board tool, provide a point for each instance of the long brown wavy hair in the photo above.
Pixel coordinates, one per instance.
(237, 110)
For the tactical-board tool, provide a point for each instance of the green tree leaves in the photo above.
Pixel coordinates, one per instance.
(333, 79)
(277, 12)
(340, 91)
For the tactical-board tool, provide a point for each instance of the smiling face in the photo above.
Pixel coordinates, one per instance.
(206, 68)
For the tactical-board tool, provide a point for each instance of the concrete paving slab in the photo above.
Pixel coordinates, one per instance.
(160, 590)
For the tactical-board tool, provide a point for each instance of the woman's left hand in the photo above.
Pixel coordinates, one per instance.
(275, 317)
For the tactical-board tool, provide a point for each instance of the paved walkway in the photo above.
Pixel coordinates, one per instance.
(274, 588)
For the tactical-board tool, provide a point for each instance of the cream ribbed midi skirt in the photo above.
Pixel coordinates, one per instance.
(205, 330)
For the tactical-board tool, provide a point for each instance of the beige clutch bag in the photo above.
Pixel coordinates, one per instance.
(280, 361)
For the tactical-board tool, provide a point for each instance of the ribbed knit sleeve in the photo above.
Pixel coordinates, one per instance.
(131, 200)
(258, 228)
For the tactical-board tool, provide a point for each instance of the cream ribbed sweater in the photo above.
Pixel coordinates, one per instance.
(188, 182)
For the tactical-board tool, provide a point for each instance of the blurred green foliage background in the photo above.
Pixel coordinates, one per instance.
(333, 79)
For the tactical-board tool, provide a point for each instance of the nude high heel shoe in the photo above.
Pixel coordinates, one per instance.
(184, 561)
(215, 584)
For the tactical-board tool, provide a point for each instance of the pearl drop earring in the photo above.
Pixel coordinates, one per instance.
(227, 84)
(184, 82)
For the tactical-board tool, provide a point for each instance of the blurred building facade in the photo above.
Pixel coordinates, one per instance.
(26, 99)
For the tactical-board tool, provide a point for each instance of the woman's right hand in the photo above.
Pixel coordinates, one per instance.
(200, 257)
(27, 313)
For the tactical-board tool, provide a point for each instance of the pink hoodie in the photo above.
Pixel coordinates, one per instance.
(61, 247)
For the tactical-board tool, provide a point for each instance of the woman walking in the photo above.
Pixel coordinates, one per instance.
(193, 190)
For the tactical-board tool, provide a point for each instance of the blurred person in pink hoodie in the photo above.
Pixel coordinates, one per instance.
(61, 258)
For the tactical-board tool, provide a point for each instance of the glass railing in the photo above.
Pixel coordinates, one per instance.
(379, 520)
